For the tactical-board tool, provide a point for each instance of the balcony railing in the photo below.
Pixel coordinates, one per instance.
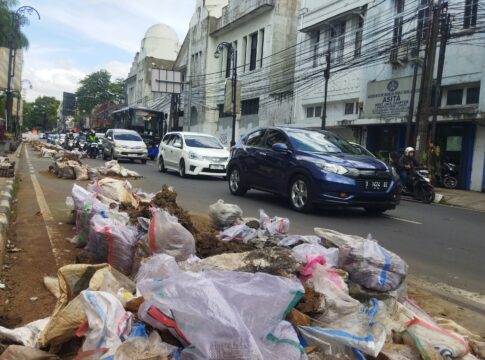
(237, 11)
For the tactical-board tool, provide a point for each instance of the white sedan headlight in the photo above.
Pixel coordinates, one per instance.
(333, 168)
(194, 156)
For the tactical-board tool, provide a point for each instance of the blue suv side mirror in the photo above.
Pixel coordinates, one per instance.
(280, 147)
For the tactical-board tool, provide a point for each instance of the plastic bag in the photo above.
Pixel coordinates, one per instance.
(372, 266)
(358, 330)
(448, 344)
(81, 172)
(304, 250)
(68, 314)
(224, 314)
(334, 294)
(108, 323)
(157, 267)
(19, 352)
(274, 226)
(27, 335)
(112, 242)
(338, 239)
(299, 239)
(238, 233)
(167, 236)
(117, 190)
(86, 206)
(224, 215)
(141, 346)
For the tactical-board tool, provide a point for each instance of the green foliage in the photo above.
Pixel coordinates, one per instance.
(44, 107)
(97, 88)
(20, 40)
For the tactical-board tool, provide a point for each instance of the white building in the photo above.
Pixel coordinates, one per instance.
(263, 32)
(147, 111)
(373, 51)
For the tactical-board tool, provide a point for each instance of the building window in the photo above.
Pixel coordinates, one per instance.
(358, 36)
(309, 112)
(423, 17)
(337, 35)
(254, 51)
(250, 107)
(349, 108)
(262, 48)
(471, 10)
(472, 95)
(315, 39)
(228, 64)
(318, 111)
(220, 108)
(454, 97)
(244, 51)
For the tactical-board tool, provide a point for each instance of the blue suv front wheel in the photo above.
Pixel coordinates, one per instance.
(236, 182)
(301, 194)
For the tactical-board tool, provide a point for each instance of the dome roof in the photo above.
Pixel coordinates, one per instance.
(161, 41)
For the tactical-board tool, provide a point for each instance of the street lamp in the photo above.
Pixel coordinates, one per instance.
(231, 53)
(16, 24)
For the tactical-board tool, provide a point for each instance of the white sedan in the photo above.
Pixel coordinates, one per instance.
(192, 154)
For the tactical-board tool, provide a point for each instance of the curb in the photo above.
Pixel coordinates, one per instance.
(6, 197)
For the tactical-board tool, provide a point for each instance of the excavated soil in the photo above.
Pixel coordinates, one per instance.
(206, 241)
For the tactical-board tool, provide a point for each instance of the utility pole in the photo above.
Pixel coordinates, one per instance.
(326, 75)
(427, 81)
(409, 123)
(189, 115)
(444, 31)
(234, 95)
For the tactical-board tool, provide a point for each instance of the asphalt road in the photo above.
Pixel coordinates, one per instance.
(440, 243)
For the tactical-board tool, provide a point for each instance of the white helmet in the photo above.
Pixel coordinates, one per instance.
(408, 150)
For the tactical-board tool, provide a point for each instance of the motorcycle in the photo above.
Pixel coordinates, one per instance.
(69, 145)
(81, 145)
(93, 150)
(419, 187)
(449, 175)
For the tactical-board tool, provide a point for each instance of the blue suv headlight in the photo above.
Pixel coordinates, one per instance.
(333, 168)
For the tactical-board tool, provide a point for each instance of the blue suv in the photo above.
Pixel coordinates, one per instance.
(311, 167)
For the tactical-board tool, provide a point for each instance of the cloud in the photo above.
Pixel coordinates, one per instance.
(75, 38)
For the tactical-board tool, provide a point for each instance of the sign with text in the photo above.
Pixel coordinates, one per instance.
(166, 81)
(389, 99)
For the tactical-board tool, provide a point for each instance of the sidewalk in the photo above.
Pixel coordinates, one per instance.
(468, 199)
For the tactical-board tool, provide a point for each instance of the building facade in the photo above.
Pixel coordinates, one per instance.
(263, 35)
(373, 48)
(147, 111)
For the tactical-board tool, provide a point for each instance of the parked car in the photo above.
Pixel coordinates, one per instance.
(311, 167)
(192, 154)
(124, 144)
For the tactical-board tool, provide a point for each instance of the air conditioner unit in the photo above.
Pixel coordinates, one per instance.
(399, 54)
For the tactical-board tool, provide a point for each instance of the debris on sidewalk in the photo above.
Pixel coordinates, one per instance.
(7, 167)
(166, 284)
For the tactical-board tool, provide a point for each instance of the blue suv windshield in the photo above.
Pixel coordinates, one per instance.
(318, 142)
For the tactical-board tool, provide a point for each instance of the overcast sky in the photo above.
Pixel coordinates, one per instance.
(76, 37)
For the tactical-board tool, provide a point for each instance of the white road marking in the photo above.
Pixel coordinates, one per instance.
(49, 221)
(404, 220)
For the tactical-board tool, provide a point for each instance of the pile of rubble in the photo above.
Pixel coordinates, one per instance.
(7, 167)
(161, 286)
(68, 165)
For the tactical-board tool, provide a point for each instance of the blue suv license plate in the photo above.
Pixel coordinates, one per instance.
(376, 185)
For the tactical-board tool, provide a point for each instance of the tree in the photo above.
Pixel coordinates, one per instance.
(20, 40)
(41, 114)
(97, 88)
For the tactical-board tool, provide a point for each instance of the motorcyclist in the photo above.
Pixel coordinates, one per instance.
(407, 165)
(92, 137)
